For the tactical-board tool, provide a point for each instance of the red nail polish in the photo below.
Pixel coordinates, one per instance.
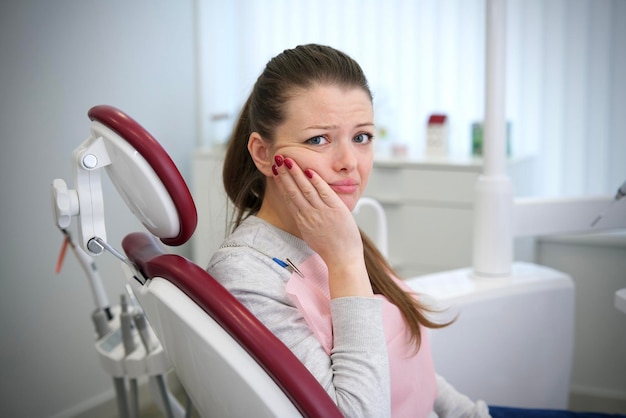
(308, 173)
(288, 163)
(279, 160)
(274, 170)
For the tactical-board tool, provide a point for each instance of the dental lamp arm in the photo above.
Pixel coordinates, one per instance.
(621, 192)
(85, 201)
(95, 282)
(550, 216)
(89, 158)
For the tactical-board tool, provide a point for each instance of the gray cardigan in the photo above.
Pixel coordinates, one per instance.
(356, 374)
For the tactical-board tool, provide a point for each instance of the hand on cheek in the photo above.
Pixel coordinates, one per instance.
(324, 221)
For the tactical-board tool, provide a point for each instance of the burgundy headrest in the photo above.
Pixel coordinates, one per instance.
(150, 149)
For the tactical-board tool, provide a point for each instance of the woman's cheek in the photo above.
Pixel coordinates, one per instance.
(286, 151)
(301, 157)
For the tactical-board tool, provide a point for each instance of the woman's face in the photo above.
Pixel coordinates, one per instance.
(329, 129)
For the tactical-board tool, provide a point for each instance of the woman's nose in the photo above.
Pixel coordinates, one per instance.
(345, 158)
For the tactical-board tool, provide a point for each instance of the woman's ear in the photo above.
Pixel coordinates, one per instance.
(259, 150)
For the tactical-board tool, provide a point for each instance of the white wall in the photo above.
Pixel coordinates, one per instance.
(59, 58)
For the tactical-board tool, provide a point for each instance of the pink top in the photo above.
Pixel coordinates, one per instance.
(412, 375)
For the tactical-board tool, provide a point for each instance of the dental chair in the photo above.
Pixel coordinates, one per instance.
(228, 362)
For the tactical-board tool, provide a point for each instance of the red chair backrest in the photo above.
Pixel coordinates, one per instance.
(298, 384)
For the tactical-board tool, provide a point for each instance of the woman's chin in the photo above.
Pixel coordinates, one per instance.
(350, 202)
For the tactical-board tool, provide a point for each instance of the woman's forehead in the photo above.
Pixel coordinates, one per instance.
(321, 101)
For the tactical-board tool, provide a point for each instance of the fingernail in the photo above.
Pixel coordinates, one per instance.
(279, 160)
(288, 163)
(274, 170)
(308, 173)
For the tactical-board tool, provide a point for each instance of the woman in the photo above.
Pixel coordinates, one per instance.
(297, 163)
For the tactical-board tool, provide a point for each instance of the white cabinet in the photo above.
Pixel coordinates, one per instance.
(429, 207)
(429, 212)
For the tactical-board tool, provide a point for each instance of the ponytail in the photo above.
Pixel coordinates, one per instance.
(380, 275)
(244, 184)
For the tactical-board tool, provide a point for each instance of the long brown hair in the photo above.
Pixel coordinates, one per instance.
(303, 67)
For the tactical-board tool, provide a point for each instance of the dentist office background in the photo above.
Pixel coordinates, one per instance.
(174, 65)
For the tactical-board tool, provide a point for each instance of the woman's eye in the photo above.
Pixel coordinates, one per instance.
(363, 138)
(317, 140)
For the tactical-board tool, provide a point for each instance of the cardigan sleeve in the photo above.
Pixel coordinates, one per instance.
(452, 404)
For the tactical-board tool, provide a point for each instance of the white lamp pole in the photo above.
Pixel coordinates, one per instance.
(493, 211)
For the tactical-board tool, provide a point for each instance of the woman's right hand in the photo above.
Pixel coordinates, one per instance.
(326, 225)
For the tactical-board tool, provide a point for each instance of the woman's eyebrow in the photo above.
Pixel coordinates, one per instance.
(329, 127)
(322, 127)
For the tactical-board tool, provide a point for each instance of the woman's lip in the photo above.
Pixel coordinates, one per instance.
(345, 186)
(345, 189)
